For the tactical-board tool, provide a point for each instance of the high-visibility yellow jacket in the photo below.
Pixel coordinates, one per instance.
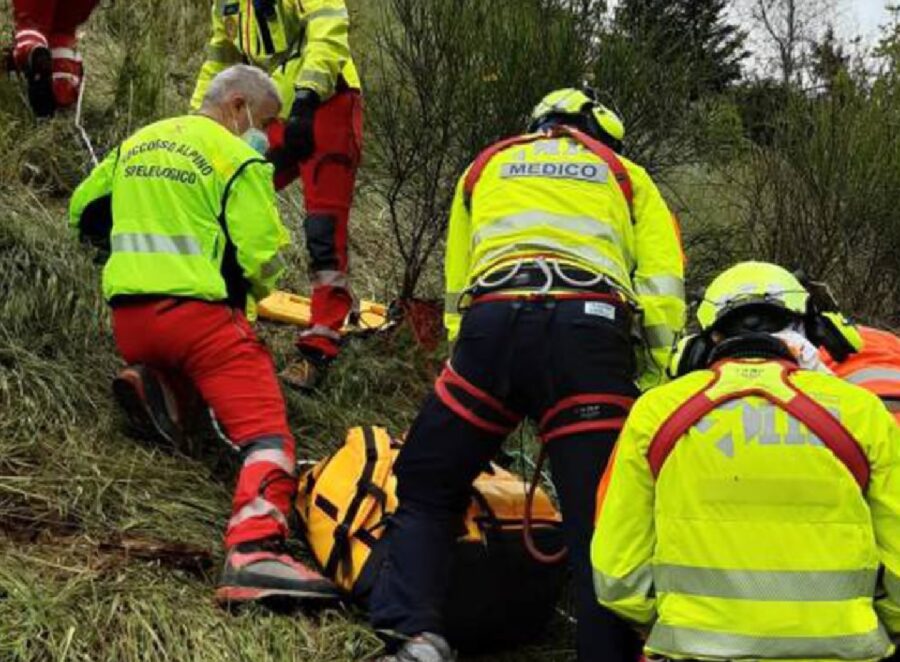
(575, 212)
(876, 367)
(752, 539)
(299, 43)
(193, 214)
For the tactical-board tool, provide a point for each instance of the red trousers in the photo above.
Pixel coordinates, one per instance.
(52, 24)
(51, 17)
(214, 347)
(328, 177)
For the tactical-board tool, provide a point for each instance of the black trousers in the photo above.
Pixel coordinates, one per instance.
(529, 356)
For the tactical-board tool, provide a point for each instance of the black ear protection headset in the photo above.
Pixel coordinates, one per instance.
(821, 324)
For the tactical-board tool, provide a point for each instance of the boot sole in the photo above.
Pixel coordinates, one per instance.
(139, 417)
(234, 595)
(40, 82)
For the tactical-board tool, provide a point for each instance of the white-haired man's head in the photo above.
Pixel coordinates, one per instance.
(242, 97)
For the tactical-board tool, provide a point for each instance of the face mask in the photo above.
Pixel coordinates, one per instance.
(803, 350)
(256, 138)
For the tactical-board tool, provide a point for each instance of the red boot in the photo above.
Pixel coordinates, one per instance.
(263, 569)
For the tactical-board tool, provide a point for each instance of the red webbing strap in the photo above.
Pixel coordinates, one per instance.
(597, 148)
(820, 422)
(675, 427)
(449, 377)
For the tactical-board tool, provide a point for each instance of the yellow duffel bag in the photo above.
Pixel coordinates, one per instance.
(500, 594)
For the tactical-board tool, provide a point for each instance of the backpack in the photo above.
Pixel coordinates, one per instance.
(500, 594)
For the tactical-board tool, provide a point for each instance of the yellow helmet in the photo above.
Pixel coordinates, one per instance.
(579, 108)
(752, 283)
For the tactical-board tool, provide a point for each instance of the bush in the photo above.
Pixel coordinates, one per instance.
(821, 196)
(448, 78)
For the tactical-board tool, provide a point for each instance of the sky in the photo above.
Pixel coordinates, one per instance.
(868, 15)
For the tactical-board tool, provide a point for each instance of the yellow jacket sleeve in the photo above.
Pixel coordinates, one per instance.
(221, 53)
(624, 536)
(255, 227)
(884, 500)
(456, 260)
(658, 277)
(96, 187)
(327, 47)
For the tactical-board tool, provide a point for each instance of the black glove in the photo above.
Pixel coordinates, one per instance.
(299, 139)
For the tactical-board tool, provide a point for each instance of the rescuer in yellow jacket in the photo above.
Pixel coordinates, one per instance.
(548, 196)
(561, 257)
(752, 508)
(187, 209)
(305, 47)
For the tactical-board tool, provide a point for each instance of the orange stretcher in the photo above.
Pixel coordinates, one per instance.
(295, 309)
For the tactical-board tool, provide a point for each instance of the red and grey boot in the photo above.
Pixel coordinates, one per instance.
(68, 70)
(32, 58)
(149, 403)
(262, 569)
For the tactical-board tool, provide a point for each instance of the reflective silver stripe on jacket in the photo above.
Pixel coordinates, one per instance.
(327, 13)
(892, 585)
(583, 225)
(314, 75)
(259, 507)
(613, 589)
(765, 585)
(872, 375)
(140, 242)
(669, 286)
(585, 253)
(223, 54)
(704, 643)
(273, 267)
(451, 301)
(659, 336)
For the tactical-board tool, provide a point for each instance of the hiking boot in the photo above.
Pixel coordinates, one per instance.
(263, 569)
(426, 647)
(149, 404)
(305, 373)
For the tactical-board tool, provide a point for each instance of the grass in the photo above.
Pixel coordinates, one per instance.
(79, 500)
